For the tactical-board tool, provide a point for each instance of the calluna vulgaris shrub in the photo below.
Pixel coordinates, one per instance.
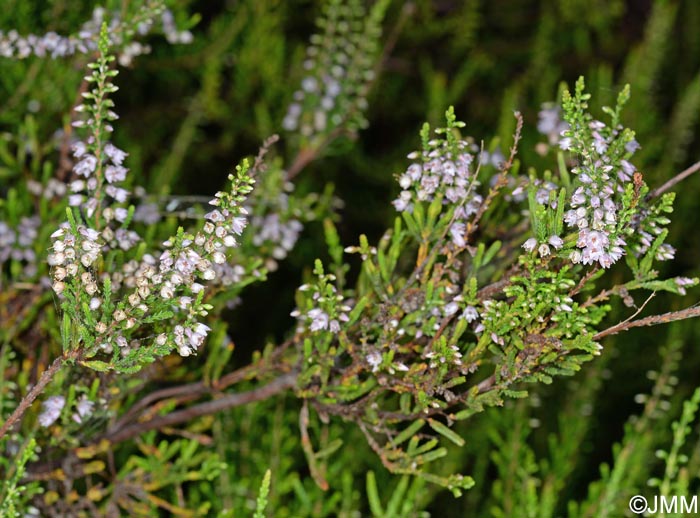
(494, 278)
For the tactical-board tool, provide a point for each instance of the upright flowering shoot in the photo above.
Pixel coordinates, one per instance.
(339, 70)
(444, 174)
(601, 194)
(123, 305)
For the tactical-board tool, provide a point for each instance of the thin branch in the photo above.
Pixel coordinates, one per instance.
(639, 310)
(584, 280)
(673, 181)
(201, 388)
(36, 390)
(501, 180)
(691, 312)
(280, 384)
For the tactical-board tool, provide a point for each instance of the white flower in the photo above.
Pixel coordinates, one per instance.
(319, 319)
(450, 309)
(457, 232)
(556, 242)
(51, 410)
(375, 360)
(120, 214)
(86, 166)
(197, 334)
(530, 244)
(470, 314)
(214, 216)
(83, 409)
(115, 173)
(79, 149)
(115, 154)
(238, 224)
(167, 292)
(89, 233)
(117, 193)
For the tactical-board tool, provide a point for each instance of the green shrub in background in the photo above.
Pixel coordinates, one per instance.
(504, 270)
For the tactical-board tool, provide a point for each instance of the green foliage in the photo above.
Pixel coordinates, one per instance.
(434, 357)
(14, 495)
(261, 504)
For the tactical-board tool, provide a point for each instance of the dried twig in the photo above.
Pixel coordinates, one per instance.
(673, 181)
(280, 384)
(35, 391)
(691, 312)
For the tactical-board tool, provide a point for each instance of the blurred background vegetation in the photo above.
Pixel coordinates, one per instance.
(188, 113)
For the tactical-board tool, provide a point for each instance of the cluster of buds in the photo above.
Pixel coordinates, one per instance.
(74, 253)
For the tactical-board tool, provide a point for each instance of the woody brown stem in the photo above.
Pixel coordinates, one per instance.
(36, 390)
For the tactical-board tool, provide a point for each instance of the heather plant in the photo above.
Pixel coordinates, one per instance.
(429, 346)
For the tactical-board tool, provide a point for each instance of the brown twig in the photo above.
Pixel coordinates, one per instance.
(201, 388)
(691, 312)
(501, 178)
(35, 391)
(673, 181)
(584, 280)
(280, 384)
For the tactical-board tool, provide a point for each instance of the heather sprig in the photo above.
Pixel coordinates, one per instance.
(493, 281)
(123, 35)
(339, 69)
(442, 184)
(125, 306)
(432, 335)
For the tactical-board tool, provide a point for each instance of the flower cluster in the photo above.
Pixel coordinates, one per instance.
(328, 89)
(53, 45)
(445, 170)
(52, 189)
(650, 223)
(339, 65)
(594, 209)
(551, 124)
(51, 410)
(172, 34)
(331, 308)
(157, 294)
(17, 244)
(543, 190)
(544, 248)
(282, 234)
(52, 407)
(70, 251)
(86, 190)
